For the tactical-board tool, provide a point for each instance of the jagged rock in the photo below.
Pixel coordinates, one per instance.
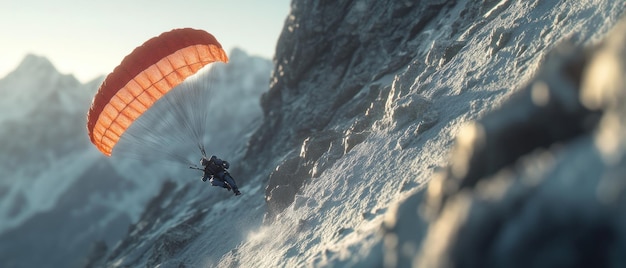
(171, 242)
(278, 199)
(351, 139)
(317, 153)
(442, 52)
(544, 112)
(499, 38)
(315, 146)
(533, 183)
(282, 185)
(404, 110)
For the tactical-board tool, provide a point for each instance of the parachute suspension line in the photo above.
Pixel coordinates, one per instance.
(174, 125)
(202, 150)
(153, 137)
(205, 94)
(176, 100)
(190, 103)
(149, 145)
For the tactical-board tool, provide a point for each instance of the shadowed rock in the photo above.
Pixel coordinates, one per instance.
(538, 182)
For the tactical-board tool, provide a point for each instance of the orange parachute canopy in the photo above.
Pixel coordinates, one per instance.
(143, 77)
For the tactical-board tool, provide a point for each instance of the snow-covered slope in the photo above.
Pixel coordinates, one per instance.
(364, 105)
(58, 194)
(464, 59)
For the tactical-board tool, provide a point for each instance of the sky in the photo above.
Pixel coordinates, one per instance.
(90, 38)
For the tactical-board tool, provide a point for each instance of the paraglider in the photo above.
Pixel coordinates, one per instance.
(217, 170)
(144, 77)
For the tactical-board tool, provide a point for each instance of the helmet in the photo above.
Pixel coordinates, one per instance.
(204, 161)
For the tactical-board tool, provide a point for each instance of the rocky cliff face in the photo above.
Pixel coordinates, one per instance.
(335, 63)
(326, 91)
(348, 71)
(327, 54)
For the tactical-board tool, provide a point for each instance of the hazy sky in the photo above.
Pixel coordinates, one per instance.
(90, 38)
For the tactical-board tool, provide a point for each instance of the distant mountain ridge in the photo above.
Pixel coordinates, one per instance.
(33, 82)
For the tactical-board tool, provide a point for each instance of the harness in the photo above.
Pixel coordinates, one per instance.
(213, 168)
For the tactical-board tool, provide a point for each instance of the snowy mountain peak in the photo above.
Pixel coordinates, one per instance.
(34, 62)
(35, 80)
(34, 66)
(237, 52)
(37, 69)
